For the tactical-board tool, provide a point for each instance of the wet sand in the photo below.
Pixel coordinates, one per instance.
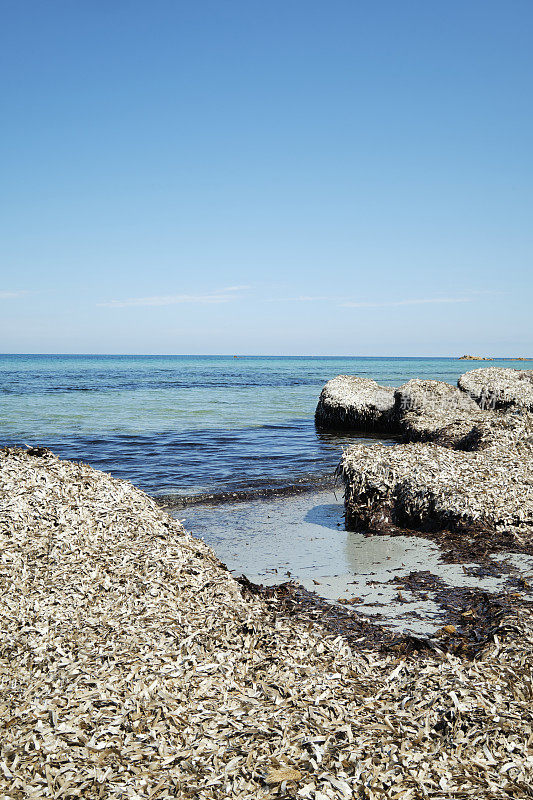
(403, 582)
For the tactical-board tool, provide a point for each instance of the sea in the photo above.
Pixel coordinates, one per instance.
(190, 425)
(227, 444)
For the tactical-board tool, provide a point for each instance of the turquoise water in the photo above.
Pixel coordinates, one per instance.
(189, 424)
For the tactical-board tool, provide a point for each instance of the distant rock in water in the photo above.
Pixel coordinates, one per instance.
(499, 387)
(474, 358)
(354, 403)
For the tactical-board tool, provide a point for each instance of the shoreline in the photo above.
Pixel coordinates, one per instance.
(175, 502)
(467, 546)
(404, 582)
(474, 618)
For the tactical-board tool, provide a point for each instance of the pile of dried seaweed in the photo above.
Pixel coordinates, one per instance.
(426, 486)
(434, 411)
(348, 402)
(425, 410)
(132, 666)
(474, 471)
(499, 387)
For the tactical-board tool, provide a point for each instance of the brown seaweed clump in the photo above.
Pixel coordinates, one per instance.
(499, 387)
(132, 666)
(354, 403)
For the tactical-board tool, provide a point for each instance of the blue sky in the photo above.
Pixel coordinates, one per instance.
(267, 177)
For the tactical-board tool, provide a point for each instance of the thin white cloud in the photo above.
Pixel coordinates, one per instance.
(8, 295)
(301, 299)
(173, 299)
(311, 299)
(487, 291)
(414, 302)
(357, 304)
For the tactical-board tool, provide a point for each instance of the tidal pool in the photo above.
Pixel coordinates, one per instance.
(302, 538)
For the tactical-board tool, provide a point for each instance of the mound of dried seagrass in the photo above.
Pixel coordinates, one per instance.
(428, 486)
(498, 387)
(434, 411)
(427, 410)
(350, 402)
(131, 666)
(421, 410)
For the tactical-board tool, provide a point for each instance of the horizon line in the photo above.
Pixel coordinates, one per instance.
(266, 355)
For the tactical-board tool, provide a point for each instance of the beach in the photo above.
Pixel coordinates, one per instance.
(266, 412)
(216, 439)
(133, 664)
(234, 638)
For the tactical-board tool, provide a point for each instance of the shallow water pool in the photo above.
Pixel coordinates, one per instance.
(302, 538)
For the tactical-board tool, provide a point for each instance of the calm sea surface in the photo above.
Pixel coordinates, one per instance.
(189, 424)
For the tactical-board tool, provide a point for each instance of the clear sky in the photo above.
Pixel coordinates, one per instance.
(274, 176)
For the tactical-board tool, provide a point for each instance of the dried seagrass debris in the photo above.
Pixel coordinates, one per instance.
(417, 394)
(475, 470)
(132, 666)
(427, 410)
(499, 387)
(420, 410)
(351, 402)
(435, 411)
(422, 486)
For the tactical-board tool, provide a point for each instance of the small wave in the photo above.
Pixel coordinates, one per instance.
(74, 389)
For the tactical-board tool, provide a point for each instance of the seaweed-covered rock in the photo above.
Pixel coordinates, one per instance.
(424, 486)
(418, 395)
(434, 411)
(463, 465)
(351, 402)
(499, 387)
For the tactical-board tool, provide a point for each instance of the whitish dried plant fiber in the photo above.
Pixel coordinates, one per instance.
(499, 387)
(434, 411)
(426, 485)
(351, 402)
(132, 667)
